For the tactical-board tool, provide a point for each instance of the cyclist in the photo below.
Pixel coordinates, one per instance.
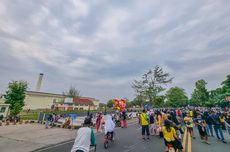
(85, 138)
(169, 135)
(109, 126)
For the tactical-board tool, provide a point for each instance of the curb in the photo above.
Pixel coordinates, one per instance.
(7, 123)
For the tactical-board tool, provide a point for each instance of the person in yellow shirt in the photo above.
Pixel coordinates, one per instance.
(189, 124)
(169, 135)
(144, 122)
(222, 121)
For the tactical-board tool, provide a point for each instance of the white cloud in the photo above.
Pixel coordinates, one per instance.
(102, 46)
(80, 9)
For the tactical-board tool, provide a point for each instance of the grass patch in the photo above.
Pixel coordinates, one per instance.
(29, 116)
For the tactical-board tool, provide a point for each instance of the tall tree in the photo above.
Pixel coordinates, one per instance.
(176, 97)
(15, 96)
(159, 101)
(110, 103)
(226, 84)
(72, 92)
(152, 83)
(102, 105)
(200, 95)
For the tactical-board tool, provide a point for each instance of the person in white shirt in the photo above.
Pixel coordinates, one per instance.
(85, 138)
(109, 126)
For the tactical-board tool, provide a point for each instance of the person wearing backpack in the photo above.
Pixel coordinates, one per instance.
(144, 122)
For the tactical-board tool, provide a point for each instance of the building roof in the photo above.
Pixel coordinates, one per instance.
(84, 101)
(44, 94)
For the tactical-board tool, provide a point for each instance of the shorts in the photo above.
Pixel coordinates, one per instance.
(190, 129)
(145, 129)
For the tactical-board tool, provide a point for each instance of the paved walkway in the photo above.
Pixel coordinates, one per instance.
(28, 137)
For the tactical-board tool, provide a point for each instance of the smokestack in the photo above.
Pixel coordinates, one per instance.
(39, 82)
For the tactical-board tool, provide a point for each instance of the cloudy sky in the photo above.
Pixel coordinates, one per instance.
(101, 46)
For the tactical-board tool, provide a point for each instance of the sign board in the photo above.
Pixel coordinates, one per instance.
(68, 100)
(73, 116)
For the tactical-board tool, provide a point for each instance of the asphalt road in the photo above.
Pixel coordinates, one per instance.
(129, 140)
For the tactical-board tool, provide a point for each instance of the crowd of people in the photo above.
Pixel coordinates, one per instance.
(167, 123)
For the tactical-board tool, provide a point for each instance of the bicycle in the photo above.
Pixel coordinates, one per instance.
(108, 137)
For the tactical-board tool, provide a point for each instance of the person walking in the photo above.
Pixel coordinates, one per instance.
(98, 122)
(152, 124)
(144, 122)
(201, 125)
(217, 127)
(123, 119)
(209, 124)
(189, 124)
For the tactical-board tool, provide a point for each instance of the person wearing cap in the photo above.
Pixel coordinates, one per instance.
(85, 138)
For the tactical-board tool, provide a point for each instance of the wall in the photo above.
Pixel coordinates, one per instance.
(33, 101)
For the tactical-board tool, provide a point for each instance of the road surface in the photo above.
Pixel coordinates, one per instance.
(129, 140)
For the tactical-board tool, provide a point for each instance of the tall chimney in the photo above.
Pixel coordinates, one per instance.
(39, 82)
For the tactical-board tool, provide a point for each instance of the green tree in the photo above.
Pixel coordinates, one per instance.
(152, 83)
(15, 96)
(200, 95)
(226, 85)
(138, 100)
(159, 101)
(176, 97)
(102, 105)
(110, 103)
(72, 92)
(214, 97)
